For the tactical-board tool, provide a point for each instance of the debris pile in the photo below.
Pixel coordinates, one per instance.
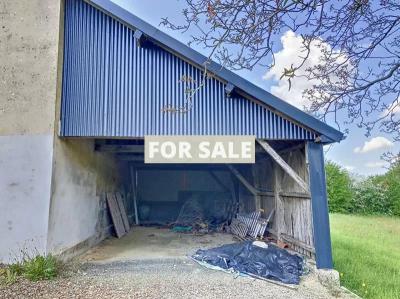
(256, 259)
(201, 214)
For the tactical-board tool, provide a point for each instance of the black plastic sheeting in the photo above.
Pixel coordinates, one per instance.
(245, 257)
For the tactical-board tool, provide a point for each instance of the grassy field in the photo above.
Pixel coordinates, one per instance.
(366, 252)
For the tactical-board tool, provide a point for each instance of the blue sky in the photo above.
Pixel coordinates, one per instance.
(357, 153)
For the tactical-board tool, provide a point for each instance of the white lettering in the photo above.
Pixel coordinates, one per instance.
(172, 150)
(219, 150)
(184, 150)
(204, 150)
(153, 148)
(199, 149)
(246, 150)
(231, 151)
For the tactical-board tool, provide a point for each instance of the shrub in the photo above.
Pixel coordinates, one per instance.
(339, 188)
(391, 181)
(370, 197)
(376, 195)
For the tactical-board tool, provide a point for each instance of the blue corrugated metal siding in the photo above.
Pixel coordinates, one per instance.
(113, 88)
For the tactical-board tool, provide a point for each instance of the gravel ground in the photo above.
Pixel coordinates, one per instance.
(159, 279)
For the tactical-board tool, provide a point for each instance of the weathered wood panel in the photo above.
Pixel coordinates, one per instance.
(116, 215)
(263, 177)
(122, 210)
(284, 165)
(294, 214)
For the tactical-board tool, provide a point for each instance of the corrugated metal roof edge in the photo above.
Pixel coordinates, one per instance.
(176, 46)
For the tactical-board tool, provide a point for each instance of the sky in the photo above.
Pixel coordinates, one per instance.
(357, 153)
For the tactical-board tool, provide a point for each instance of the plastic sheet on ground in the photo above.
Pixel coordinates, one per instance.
(269, 262)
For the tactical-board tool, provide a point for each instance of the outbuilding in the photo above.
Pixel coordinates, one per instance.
(122, 80)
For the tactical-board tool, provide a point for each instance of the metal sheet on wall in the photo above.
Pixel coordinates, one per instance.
(113, 88)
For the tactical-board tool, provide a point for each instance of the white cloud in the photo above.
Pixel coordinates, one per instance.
(291, 53)
(393, 108)
(374, 144)
(378, 164)
(349, 167)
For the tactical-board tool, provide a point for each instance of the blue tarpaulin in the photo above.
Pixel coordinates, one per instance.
(270, 261)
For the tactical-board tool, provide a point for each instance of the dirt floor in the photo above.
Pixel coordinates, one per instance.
(153, 243)
(153, 263)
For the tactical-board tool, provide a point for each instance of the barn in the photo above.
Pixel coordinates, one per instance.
(120, 80)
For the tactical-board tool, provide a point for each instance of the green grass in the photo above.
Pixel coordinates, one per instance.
(366, 252)
(36, 268)
(40, 268)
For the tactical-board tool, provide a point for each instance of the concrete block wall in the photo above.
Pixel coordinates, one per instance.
(29, 40)
(81, 176)
(50, 189)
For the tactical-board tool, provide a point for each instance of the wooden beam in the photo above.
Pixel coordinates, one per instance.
(120, 148)
(292, 148)
(245, 183)
(128, 157)
(219, 182)
(241, 178)
(191, 167)
(299, 243)
(295, 195)
(282, 163)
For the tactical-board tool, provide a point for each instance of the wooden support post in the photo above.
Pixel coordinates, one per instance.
(256, 181)
(279, 205)
(282, 163)
(134, 193)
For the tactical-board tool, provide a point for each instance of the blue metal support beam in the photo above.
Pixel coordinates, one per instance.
(319, 203)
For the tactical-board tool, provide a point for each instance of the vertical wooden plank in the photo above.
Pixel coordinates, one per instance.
(319, 203)
(279, 206)
(122, 210)
(256, 182)
(134, 192)
(115, 215)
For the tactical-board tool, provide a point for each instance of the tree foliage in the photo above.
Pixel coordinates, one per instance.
(339, 188)
(358, 74)
(391, 183)
(378, 194)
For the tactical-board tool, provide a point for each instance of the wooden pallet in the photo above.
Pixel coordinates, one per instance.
(118, 214)
(122, 209)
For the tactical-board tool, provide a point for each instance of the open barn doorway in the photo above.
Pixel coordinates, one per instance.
(175, 209)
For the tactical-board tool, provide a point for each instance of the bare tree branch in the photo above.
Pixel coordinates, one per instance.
(358, 74)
